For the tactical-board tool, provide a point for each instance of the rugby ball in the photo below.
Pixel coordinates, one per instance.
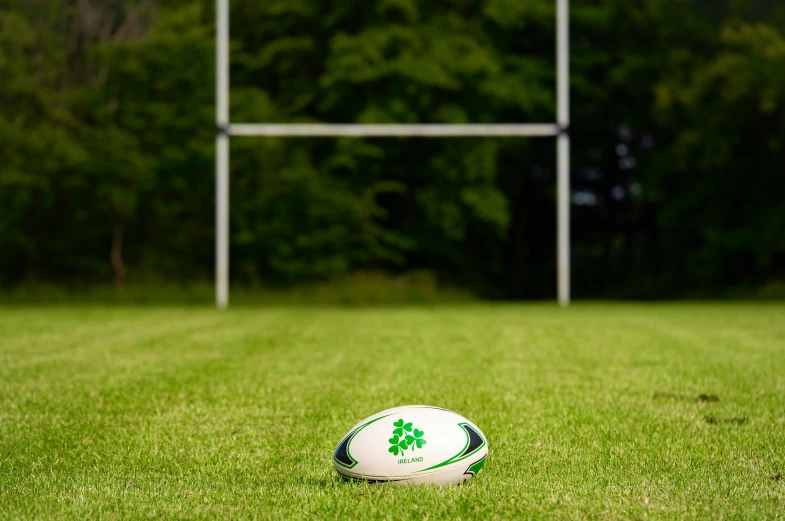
(412, 445)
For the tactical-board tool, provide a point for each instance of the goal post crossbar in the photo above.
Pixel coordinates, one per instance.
(394, 130)
(560, 130)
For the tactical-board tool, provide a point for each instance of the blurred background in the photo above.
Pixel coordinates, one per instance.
(107, 140)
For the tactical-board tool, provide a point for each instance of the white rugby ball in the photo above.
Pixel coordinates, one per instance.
(412, 445)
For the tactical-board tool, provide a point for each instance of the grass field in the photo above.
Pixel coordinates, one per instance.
(600, 411)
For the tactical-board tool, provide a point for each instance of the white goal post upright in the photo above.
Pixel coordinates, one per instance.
(560, 130)
(222, 154)
(563, 151)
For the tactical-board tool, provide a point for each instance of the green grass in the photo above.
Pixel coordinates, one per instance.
(600, 411)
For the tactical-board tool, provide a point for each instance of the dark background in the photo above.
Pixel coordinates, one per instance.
(678, 168)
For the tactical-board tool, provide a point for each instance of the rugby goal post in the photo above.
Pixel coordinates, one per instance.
(559, 130)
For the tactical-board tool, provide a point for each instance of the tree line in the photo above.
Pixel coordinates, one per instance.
(678, 171)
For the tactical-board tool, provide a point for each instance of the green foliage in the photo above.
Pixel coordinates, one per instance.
(360, 289)
(107, 143)
(731, 143)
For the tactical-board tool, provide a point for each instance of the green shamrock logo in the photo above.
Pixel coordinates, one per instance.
(405, 436)
(397, 445)
(401, 427)
(416, 439)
